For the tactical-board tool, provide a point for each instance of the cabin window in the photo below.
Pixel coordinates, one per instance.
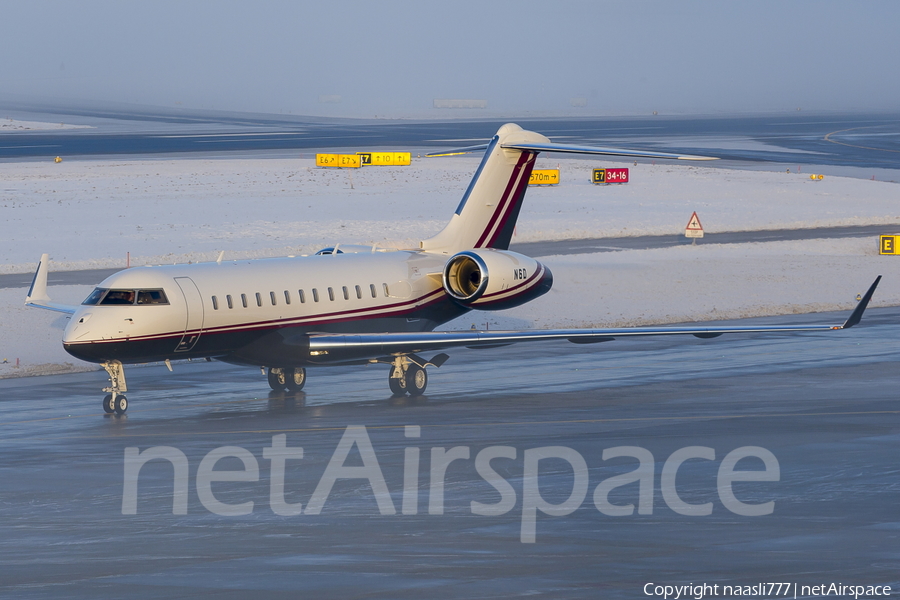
(346, 293)
(228, 300)
(272, 298)
(258, 299)
(302, 296)
(287, 297)
(387, 292)
(373, 290)
(358, 293)
(331, 294)
(315, 295)
(152, 297)
(215, 303)
(244, 300)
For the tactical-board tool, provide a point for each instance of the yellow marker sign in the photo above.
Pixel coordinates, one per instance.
(382, 159)
(598, 176)
(889, 244)
(544, 177)
(338, 160)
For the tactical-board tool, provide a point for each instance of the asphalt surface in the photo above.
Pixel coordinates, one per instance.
(548, 248)
(859, 140)
(825, 405)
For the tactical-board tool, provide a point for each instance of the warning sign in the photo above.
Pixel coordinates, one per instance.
(694, 229)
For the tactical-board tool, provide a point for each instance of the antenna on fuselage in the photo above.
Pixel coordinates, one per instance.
(219, 260)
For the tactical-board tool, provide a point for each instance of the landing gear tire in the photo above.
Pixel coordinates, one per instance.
(277, 379)
(109, 407)
(416, 380)
(121, 404)
(295, 379)
(398, 385)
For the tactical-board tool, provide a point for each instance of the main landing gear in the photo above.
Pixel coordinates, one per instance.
(408, 375)
(291, 380)
(115, 401)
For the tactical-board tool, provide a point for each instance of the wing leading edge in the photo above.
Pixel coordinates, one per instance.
(340, 346)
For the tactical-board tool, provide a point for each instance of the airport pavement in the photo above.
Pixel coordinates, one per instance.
(854, 139)
(824, 405)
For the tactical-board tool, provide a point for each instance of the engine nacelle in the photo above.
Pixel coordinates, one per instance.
(489, 279)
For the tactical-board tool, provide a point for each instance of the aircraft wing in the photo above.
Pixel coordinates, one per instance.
(337, 346)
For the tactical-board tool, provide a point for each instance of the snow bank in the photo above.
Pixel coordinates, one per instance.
(90, 213)
(14, 125)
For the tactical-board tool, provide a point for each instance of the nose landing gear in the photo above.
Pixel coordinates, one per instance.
(115, 401)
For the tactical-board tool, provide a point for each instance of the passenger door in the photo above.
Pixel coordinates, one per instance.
(193, 325)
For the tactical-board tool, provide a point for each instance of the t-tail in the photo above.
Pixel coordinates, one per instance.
(487, 214)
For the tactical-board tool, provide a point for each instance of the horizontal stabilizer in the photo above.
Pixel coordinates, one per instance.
(458, 151)
(572, 149)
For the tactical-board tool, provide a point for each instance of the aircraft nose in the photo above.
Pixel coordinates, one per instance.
(76, 328)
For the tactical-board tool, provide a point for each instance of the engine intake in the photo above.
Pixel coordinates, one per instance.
(491, 279)
(466, 276)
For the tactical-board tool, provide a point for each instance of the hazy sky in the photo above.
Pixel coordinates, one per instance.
(386, 57)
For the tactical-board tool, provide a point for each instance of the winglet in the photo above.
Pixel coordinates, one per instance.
(37, 294)
(38, 290)
(857, 313)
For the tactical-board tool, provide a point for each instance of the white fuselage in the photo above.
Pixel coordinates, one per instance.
(236, 301)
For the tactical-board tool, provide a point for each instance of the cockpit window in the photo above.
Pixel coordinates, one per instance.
(152, 297)
(118, 297)
(95, 296)
(105, 296)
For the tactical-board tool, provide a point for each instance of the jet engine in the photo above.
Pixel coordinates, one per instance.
(490, 279)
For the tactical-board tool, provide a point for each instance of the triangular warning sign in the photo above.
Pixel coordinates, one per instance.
(694, 223)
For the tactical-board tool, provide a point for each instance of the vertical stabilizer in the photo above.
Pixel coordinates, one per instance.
(487, 214)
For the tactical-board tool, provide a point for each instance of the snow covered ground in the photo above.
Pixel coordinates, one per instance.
(9, 124)
(90, 213)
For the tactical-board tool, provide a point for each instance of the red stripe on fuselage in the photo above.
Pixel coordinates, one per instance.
(392, 310)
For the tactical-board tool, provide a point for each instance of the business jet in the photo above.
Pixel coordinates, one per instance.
(347, 304)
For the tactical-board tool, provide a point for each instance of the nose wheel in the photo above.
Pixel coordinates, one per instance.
(115, 404)
(115, 401)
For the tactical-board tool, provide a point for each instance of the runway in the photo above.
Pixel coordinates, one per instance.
(825, 405)
(846, 140)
